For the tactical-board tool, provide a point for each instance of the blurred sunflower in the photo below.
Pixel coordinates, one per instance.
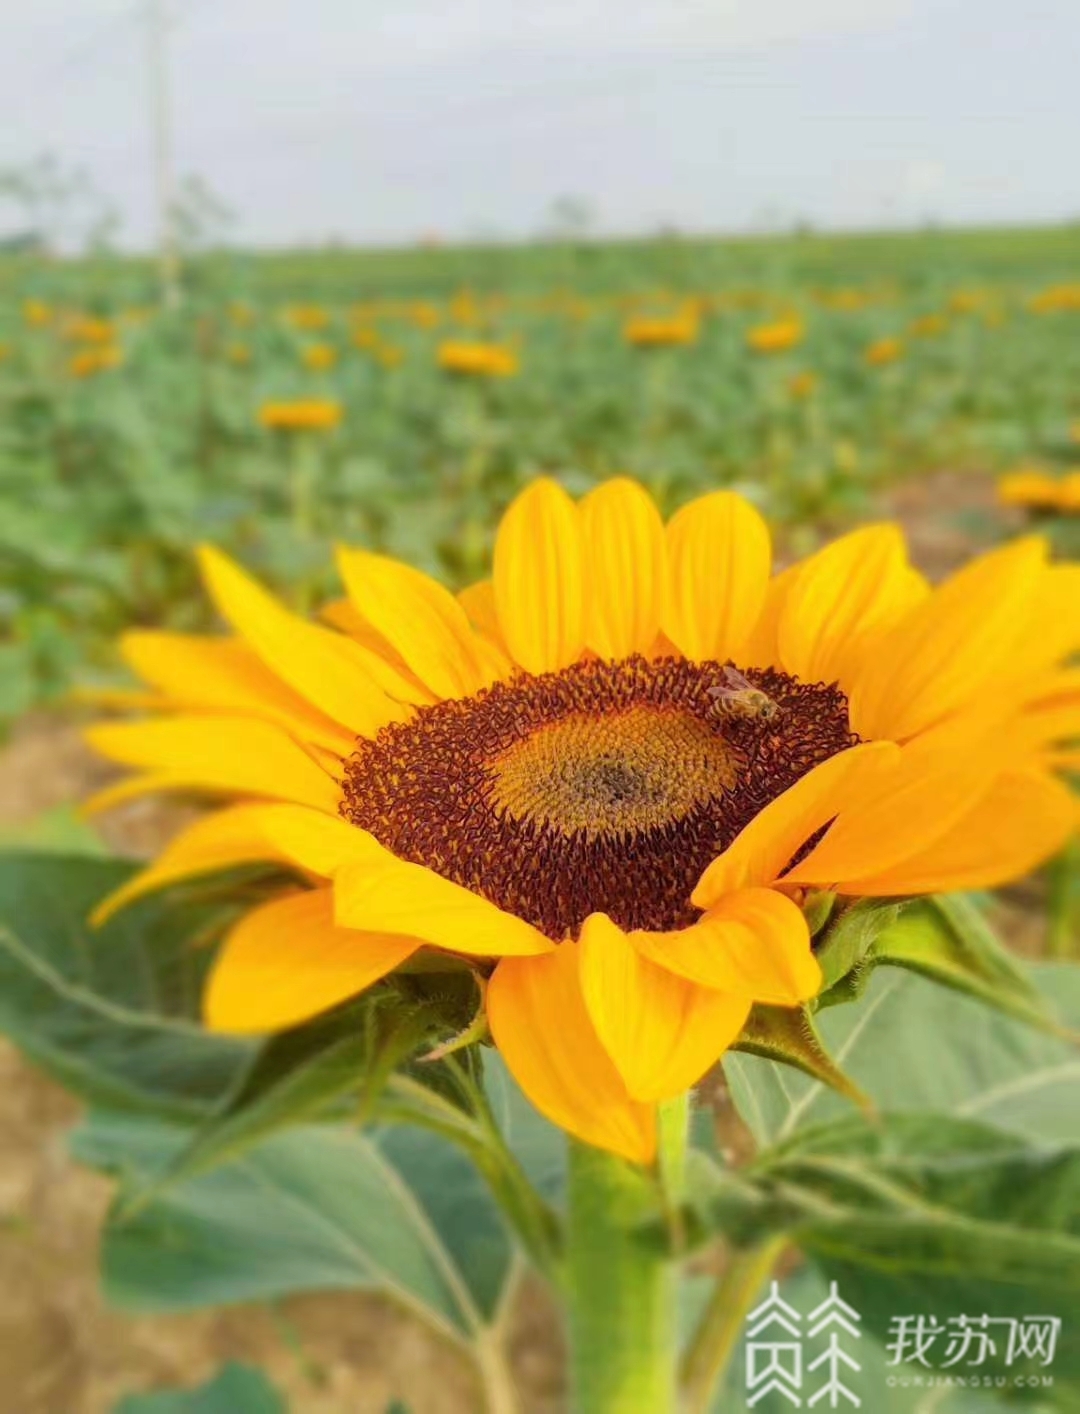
(90, 329)
(1036, 490)
(301, 415)
(36, 313)
(882, 352)
(928, 326)
(96, 359)
(609, 775)
(803, 385)
(319, 357)
(477, 360)
(662, 331)
(775, 337)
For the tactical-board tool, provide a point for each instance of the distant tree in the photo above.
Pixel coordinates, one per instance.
(200, 217)
(571, 218)
(59, 205)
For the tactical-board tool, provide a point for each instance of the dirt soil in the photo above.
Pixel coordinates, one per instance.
(63, 1352)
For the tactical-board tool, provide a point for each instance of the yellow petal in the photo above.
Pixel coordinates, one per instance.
(1054, 630)
(1050, 714)
(661, 1032)
(858, 583)
(761, 852)
(542, 1028)
(1023, 819)
(237, 755)
(390, 895)
(121, 792)
(344, 680)
(287, 960)
(916, 796)
(941, 654)
(539, 579)
(219, 841)
(761, 649)
(419, 618)
(754, 944)
(719, 555)
(478, 601)
(223, 674)
(626, 558)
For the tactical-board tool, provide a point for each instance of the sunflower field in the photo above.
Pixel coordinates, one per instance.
(539, 829)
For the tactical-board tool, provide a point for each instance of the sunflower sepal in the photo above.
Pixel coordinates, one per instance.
(788, 1036)
(949, 939)
(818, 907)
(847, 938)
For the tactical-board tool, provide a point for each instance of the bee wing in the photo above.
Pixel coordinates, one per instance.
(734, 681)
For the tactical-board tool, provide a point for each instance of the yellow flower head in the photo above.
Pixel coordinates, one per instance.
(609, 774)
(238, 354)
(302, 415)
(477, 359)
(36, 313)
(803, 384)
(928, 326)
(88, 362)
(776, 337)
(883, 351)
(967, 301)
(307, 317)
(88, 329)
(1032, 489)
(319, 357)
(1056, 299)
(660, 331)
(365, 336)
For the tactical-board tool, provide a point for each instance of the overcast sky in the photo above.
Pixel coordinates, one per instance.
(383, 120)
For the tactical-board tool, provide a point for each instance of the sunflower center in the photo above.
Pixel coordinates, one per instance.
(613, 775)
(605, 787)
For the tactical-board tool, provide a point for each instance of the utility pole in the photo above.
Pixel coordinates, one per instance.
(161, 123)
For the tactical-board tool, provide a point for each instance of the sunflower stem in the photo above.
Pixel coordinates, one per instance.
(621, 1291)
(1063, 914)
(709, 1353)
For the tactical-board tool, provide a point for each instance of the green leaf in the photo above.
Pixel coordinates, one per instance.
(920, 1213)
(316, 1207)
(948, 939)
(110, 1013)
(304, 1073)
(913, 1045)
(236, 1389)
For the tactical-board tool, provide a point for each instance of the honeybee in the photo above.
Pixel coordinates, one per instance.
(738, 697)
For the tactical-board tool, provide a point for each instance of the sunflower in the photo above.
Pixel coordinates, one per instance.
(477, 360)
(1035, 490)
(663, 331)
(775, 337)
(883, 351)
(803, 384)
(610, 775)
(301, 415)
